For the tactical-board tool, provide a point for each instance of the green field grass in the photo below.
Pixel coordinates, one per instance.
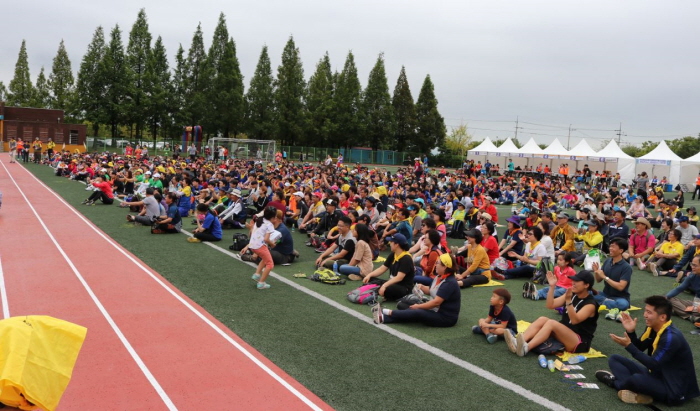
(347, 362)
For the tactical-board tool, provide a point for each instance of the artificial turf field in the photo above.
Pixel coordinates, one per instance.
(350, 363)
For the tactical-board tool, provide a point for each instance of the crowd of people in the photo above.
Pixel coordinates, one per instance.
(350, 214)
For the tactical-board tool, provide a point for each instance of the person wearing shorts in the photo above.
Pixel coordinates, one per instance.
(577, 326)
(260, 243)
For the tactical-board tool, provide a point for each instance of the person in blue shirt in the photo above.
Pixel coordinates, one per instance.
(207, 230)
(172, 222)
(691, 282)
(662, 369)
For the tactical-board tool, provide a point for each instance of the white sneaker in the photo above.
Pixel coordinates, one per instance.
(510, 341)
(654, 269)
(377, 314)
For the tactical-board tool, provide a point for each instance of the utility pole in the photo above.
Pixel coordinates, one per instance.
(619, 134)
(568, 139)
(516, 128)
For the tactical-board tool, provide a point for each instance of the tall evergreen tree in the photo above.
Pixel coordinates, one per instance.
(431, 129)
(159, 91)
(21, 89)
(90, 85)
(405, 112)
(3, 91)
(42, 94)
(195, 82)
(61, 80)
(348, 106)
(179, 117)
(137, 55)
(224, 89)
(319, 104)
(260, 101)
(378, 111)
(289, 96)
(113, 69)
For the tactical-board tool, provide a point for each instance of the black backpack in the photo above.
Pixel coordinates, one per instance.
(240, 240)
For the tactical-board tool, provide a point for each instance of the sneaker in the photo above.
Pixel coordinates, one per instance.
(606, 377)
(250, 258)
(85, 201)
(256, 277)
(654, 269)
(89, 187)
(526, 290)
(618, 318)
(263, 286)
(497, 276)
(492, 338)
(377, 314)
(533, 292)
(498, 270)
(612, 314)
(521, 347)
(631, 397)
(510, 341)
(190, 239)
(354, 277)
(476, 329)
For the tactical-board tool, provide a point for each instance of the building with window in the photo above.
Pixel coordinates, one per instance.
(29, 123)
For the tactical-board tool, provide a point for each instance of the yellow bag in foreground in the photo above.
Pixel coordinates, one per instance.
(37, 355)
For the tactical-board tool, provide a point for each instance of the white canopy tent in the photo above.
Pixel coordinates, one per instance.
(530, 149)
(557, 155)
(661, 162)
(506, 150)
(612, 153)
(690, 171)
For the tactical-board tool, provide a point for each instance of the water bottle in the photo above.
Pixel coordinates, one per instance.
(550, 365)
(335, 267)
(577, 359)
(696, 300)
(542, 360)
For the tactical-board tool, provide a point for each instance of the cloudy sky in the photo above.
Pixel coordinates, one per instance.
(550, 64)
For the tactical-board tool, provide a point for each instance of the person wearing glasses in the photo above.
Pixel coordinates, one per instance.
(687, 309)
(534, 252)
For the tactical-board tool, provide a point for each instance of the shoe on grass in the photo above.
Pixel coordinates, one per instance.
(631, 397)
(354, 277)
(255, 277)
(263, 286)
(526, 290)
(612, 314)
(491, 338)
(533, 292)
(191, 239)
(606, 377)
(497, 276)
(475, 329)
(618, 318)
(377, 314)
(521, 347)
(654, 269)
(510, 341)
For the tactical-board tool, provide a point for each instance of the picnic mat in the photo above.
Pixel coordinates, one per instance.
(632, 308)
(379, 259)
(491, 283)
(592, 353)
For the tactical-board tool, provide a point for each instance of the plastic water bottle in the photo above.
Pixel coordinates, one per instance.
(542, 360)
(335, 267)
(550, 365)
(577, 359)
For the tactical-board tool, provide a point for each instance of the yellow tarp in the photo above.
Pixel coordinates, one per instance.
(592, 353)
(491, 283)
(37, 355)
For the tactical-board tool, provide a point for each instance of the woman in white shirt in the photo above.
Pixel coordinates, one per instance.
(547, 240)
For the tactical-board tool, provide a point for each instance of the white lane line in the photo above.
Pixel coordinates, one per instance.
(168, 402)
(3, 294)
(218, 330)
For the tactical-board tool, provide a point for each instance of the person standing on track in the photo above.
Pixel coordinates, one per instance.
(13, 150)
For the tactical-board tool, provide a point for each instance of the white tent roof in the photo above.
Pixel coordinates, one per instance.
(508, 147)
(693, 159)
(612, 150)
(556, 149)
(582, 149)
(484, 148)
(661, 152)
(531, 148)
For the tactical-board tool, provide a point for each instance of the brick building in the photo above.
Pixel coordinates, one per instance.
(29, 123)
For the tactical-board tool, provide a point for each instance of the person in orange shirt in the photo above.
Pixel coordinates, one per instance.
(697, 187)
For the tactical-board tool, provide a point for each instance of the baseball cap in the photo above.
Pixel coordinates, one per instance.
(234, 191)
(331, 203)
(299, 193)
(562, 215)
(584, 275)
(398, 238)
(683, 218)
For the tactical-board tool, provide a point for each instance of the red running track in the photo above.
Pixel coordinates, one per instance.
(148, 346)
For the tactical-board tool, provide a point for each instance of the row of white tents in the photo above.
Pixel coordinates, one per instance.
(660, 162)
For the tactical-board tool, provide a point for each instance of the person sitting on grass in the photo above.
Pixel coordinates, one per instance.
(679, 269)
(563, 270)
(534, 252)
(103, 193)
(577, 326)
(479, 266)
(425, 270)
(361, 261)
(343, 247)
(641, 243)
(401, 270)
(617, 274)
(208, 229)
(663, 370)
(500, 319)
(442, 310)
(150, 208)
(171, 223)
(668, 254)
(682, 307)
(512, 239)
(592, 238)
(260, 244)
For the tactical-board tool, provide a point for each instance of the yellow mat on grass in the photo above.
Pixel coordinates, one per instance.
(604, 308)
(379, 259)
(491, 283)
(592, 353)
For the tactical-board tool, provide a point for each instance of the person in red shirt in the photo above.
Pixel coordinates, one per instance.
(490, 208)
(489, 241)
(129, 151)
(104, 192)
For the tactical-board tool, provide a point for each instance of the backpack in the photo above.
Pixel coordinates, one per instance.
(549, 347)
(326, 276)
(240, 240)
(540, 274)
(366, 294)
(408, 300)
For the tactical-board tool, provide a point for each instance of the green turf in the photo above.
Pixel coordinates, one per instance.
(348, 363)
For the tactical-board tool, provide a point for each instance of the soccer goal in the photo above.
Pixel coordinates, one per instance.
(244, 149)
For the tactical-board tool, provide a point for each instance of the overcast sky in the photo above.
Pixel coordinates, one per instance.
(592, 64)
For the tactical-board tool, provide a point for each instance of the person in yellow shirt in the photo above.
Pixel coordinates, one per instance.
(592, 239)
(49, 149)
(479, 265)
(37, 146)
(668, 254)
